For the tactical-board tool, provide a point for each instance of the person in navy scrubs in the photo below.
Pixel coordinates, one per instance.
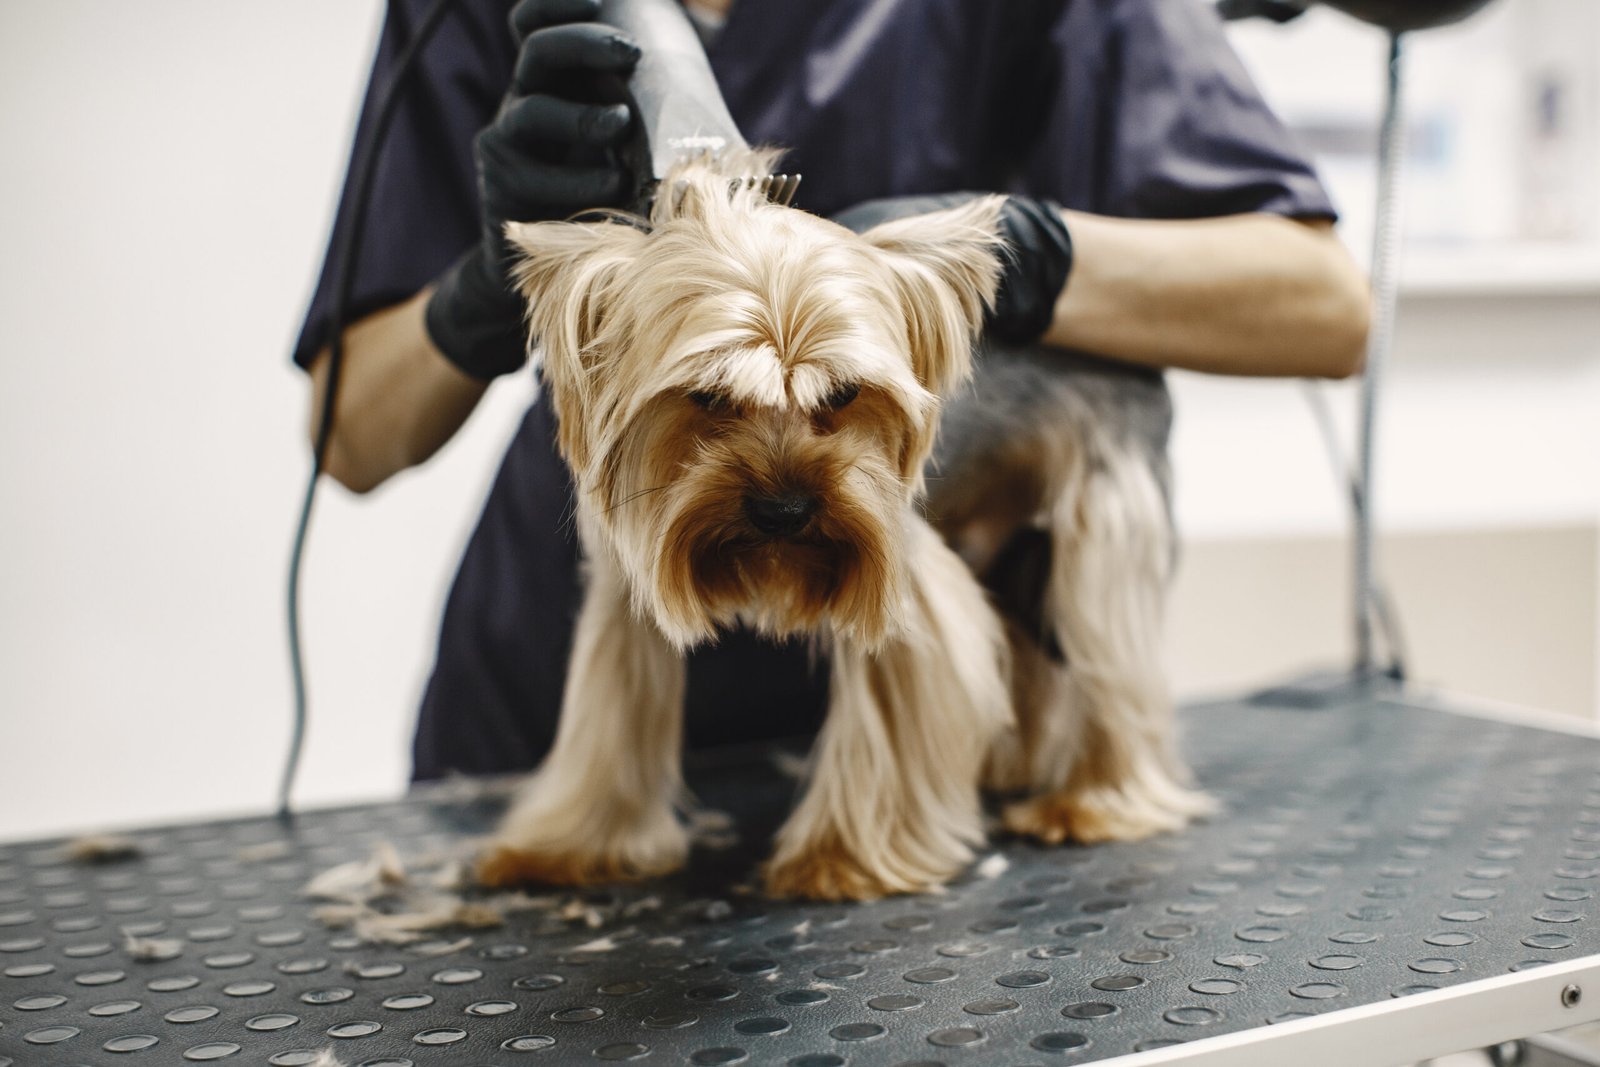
(1162, 216)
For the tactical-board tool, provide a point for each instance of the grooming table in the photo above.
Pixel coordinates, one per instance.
(1390, 881)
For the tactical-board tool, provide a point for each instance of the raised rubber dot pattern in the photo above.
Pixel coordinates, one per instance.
(1364, 856)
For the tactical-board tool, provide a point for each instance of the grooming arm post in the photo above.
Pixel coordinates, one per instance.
(1385, 295)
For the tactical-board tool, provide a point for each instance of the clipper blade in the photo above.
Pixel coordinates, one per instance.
(778, 188)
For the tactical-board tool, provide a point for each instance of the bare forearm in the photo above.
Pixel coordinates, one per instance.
(1245, 294)
(399, 398)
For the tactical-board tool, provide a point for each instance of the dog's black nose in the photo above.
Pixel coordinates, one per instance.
(780, 514)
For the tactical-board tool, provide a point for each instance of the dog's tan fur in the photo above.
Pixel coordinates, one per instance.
(1095, 737)
(702, 362)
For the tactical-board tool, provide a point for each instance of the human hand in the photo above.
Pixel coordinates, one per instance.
(1037, 262)
(550, 152)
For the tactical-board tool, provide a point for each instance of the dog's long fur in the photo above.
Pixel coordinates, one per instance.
(741, 352)
(1054, 487)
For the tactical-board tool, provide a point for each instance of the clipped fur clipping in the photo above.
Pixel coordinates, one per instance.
(103, 848)
(577, 911)
(383, 900)
(421, 915)
(151, 949)
(642, 906)
(326, 1058)
(441, 948)
(360, 880)
(711, 829)
(992, 866)
(599, 944)
(789, 764)
(264, 852)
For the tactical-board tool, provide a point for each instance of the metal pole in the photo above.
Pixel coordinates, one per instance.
(1385, 291)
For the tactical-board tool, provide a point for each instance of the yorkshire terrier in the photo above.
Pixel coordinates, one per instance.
(748, 398)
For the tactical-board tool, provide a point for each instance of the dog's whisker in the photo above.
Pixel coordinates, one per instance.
(635, 496)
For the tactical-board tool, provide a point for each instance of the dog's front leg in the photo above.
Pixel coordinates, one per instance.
(601, 807)
(892, 801)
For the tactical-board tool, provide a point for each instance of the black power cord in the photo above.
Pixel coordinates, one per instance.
(363, 168)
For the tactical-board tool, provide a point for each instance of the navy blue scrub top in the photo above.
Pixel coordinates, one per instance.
(1133, 108)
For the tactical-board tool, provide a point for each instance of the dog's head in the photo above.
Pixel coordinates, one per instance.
(747, 394)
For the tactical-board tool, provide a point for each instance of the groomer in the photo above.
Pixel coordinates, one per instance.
(1160, 214)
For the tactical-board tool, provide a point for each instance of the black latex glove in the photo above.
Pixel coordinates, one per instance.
(549, 152)
(1038, 259)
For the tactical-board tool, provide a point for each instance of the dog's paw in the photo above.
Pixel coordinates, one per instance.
(501, 866)
(824, 874)
(1090, 816)
(834, 873)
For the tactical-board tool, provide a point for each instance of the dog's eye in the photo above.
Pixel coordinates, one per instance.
(708, 400)
(842, 395)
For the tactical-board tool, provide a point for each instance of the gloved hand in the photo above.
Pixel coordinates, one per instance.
(549, 152)
(1038, 259)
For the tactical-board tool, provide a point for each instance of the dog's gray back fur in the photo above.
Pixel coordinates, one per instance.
(1032, 429)
(1040, 391)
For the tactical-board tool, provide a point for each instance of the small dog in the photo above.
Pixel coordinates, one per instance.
(748, 396)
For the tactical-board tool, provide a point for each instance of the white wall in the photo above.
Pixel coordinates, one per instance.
(169, 172)
(170, 169)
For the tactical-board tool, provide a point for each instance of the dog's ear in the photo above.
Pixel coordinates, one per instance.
(570, 274)
(946, 266)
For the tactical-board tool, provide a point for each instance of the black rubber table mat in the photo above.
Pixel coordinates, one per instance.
(1366, 852)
